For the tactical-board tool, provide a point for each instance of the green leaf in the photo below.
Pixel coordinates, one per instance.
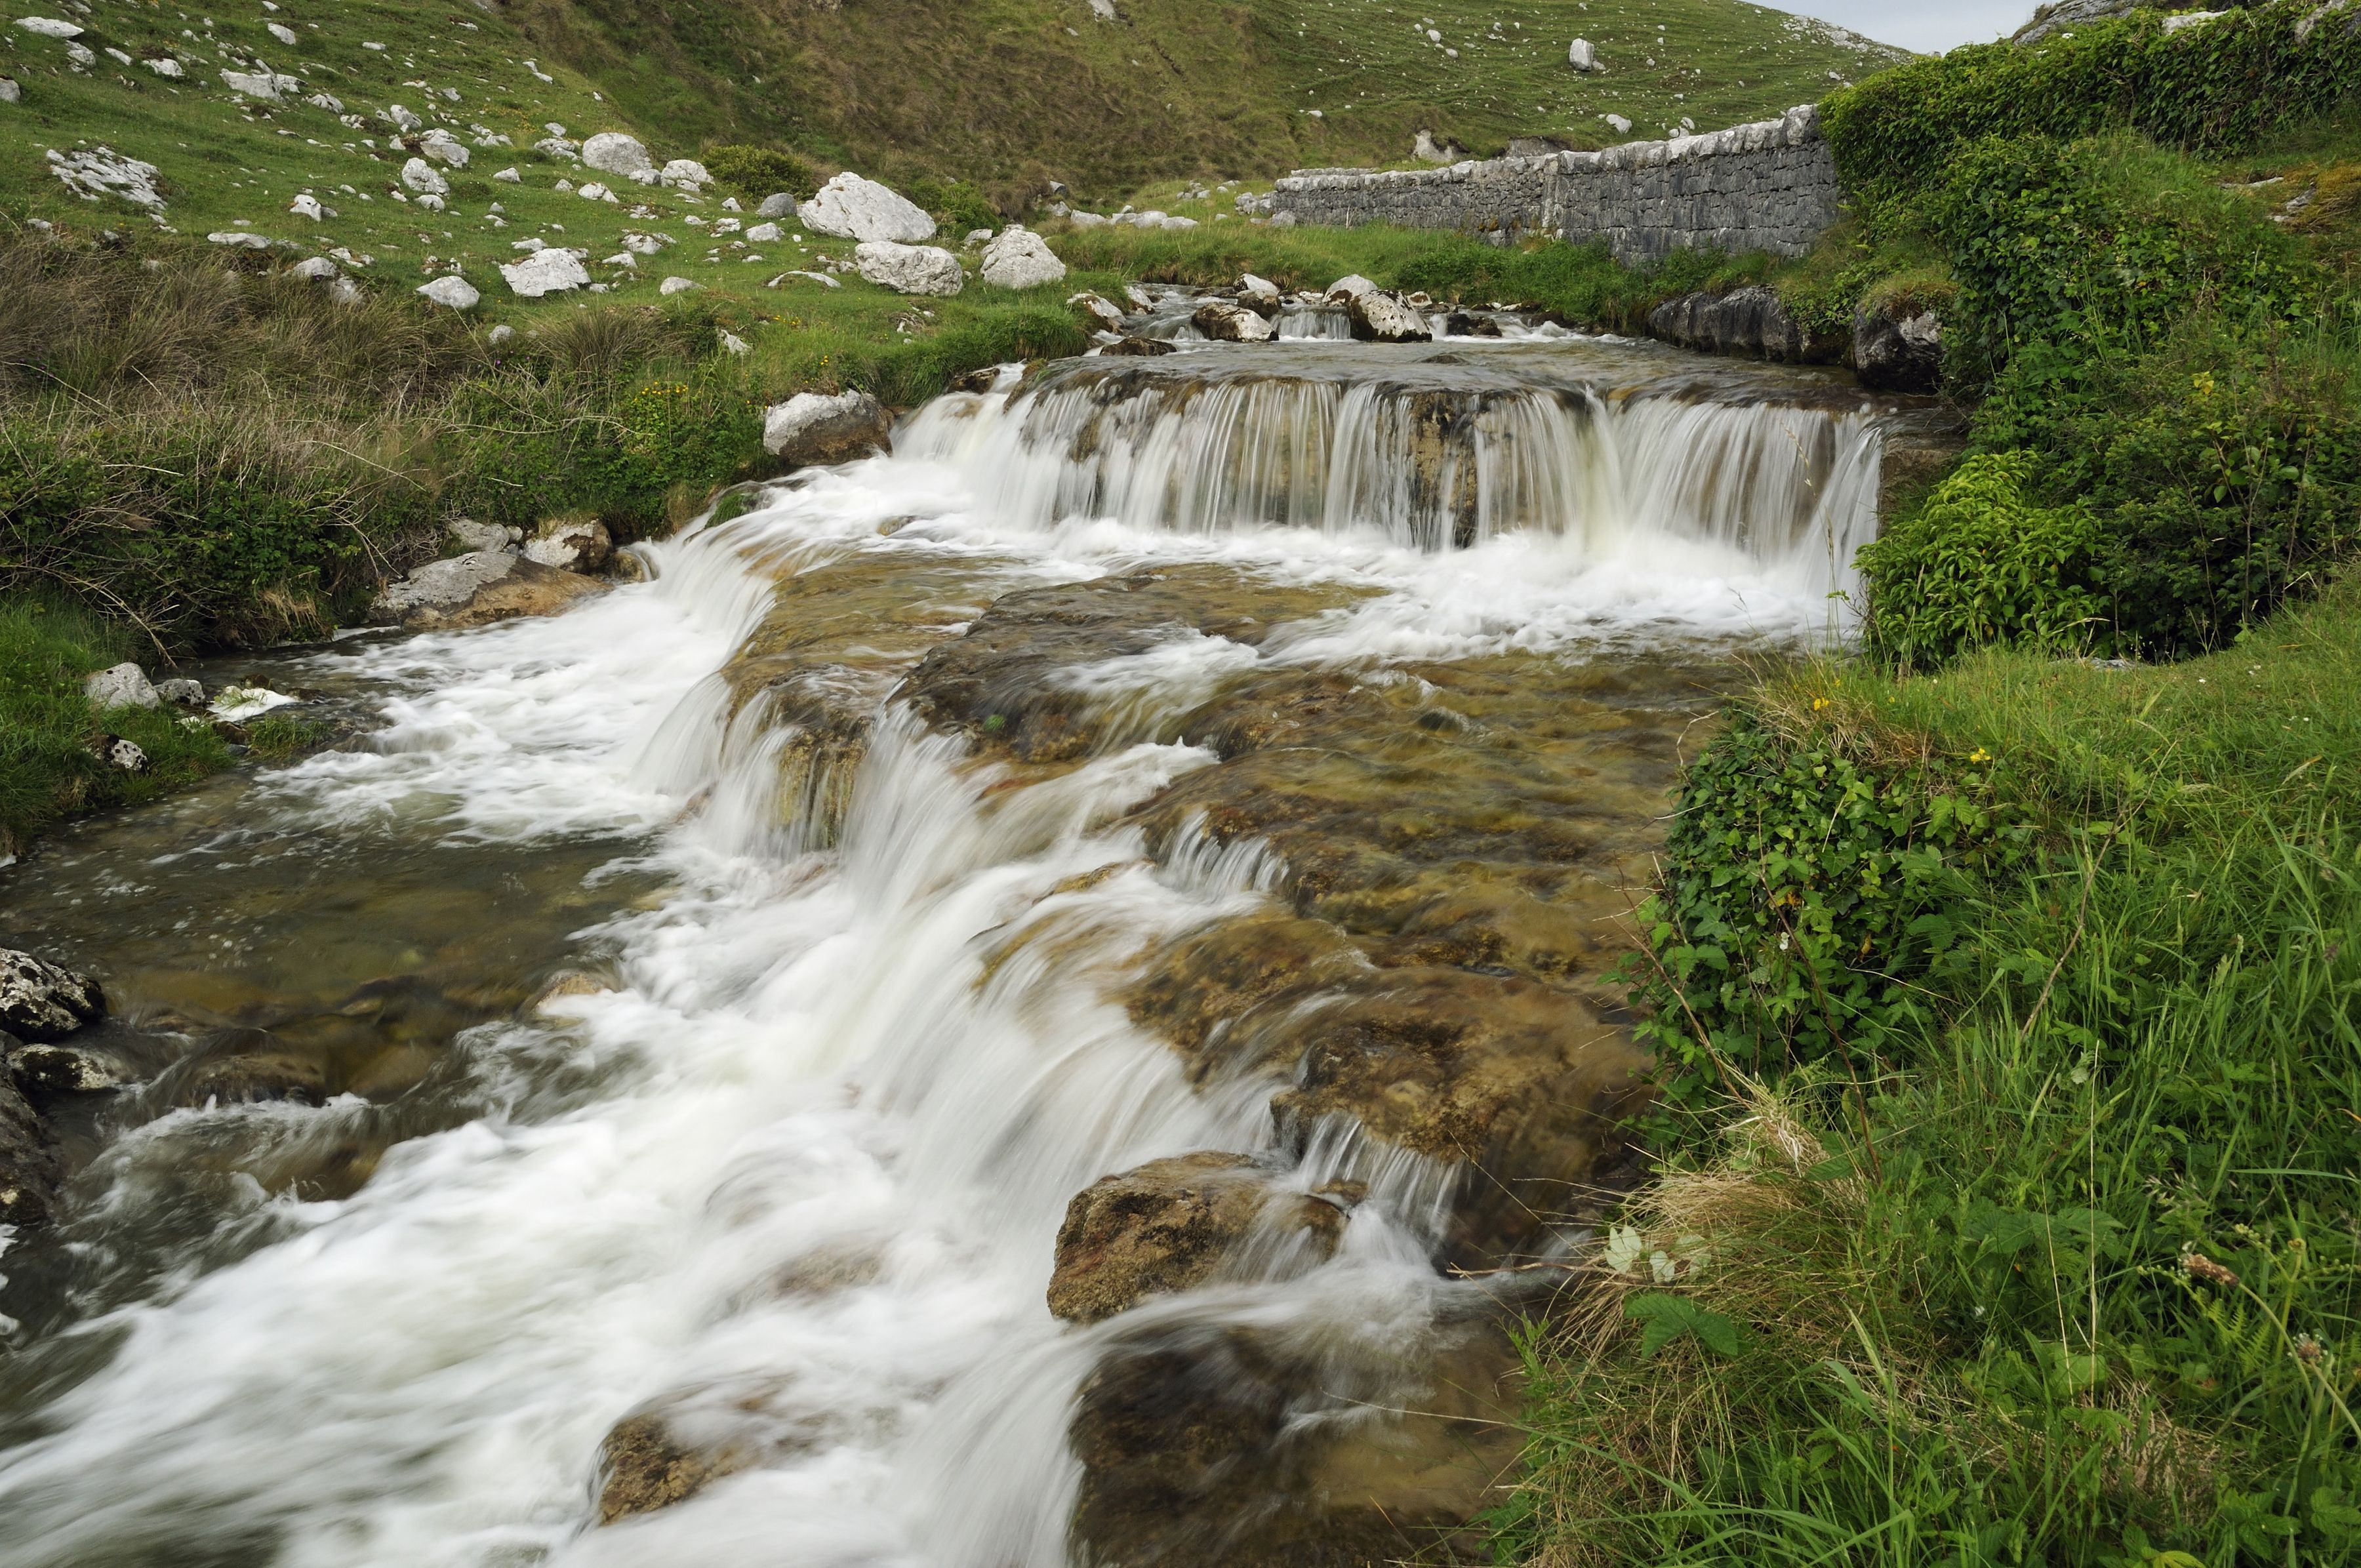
(1668, 1318)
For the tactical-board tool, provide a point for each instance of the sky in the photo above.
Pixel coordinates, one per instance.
(1925, 25)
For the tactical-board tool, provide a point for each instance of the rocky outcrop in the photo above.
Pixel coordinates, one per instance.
(853, 208)
(1016, 257)
(1169, 1225)
(1380, 315)
(813, 428)
(1751, 324)
(1225, 321)
(477, 589)
(42, 1000)
(910, 268)
(1766, 186)
(1897, 349)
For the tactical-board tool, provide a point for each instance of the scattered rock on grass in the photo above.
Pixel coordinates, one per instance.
(124, 686)
(777, 205)
(546, 271)
(612, 152)
(122, 755)
(454, 292)
(910, 268)
(182, 692)
(422, 177)
(93, 173)
(1019, 258)
(853, 208)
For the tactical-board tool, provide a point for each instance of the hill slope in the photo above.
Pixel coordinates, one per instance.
(1004, 93)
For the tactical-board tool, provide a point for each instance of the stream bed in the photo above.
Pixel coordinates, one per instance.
(1152, 847)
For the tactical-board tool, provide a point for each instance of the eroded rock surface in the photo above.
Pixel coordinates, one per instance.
(42, 1001)
(31, 1171)
(1170, 1224)
(647, 1467)
(477, 589)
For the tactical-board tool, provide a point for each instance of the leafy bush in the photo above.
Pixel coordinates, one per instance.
(1802, 904)
(1979, 564)
(755, 172)
(956, 206)
(2213, 88)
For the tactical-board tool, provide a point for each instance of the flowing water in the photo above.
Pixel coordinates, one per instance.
(653, 1061)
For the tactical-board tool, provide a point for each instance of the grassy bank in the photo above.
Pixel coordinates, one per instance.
(2004, 974)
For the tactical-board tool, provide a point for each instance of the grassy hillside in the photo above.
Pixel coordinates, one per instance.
(1004, 93)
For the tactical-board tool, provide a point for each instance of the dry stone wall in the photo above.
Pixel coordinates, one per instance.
(1768, 186)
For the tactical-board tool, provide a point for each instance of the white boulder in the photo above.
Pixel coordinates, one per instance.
(1225, 321)
(777, 205)
(1103, 313)
(125, 686)
(813, 427)
(547, 271)
(263, 84)
(422, 177)
(678, 285)
(9, 92)
(853, 208)
(570, 544)
(306, 205)
(612, 152)
(41, 1001)
(445, 148)
(1346, 287)
(687, 174)
(510, 176)
(242, 239)
(314, 269)
(453, 291)
(280, 31)
(910, 268)
(764, 233)
(1019, 258)
(1259, 294)
(594, 192)
(1380, 315)
(166, 66)
(403, 120)
(1582, 56)
(50, 26)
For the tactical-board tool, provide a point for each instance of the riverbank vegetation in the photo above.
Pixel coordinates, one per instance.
(2004, 975)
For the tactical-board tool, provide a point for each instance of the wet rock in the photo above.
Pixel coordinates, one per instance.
(477, 589)
(1379, 315)
(1897, 350)
(814, 428)
(61, 1069)
(853, 208)
(570, 544)
(257, 1079)
(644, 1467)
(30, 1170)
(1345, 289)
(910, 268)
(569, 982)
(1259, 294)
(1169, 1225)
(1137, 348)
(1750, 324)
(1462, 324)
(1224, 321)
(125, 686)
(1103, 313)
(41, 1000)
(1018, 259)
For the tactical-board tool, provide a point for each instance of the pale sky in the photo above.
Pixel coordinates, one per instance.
(1926, 25)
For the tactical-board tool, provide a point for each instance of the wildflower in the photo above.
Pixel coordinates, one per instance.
(2205, 1271)
(1818, 703)
(2307, 1350)
(1980, 755)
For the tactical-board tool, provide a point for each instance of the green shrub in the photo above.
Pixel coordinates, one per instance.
(1980, 564)
(755, 172)
(1804, 901)
(956, 204)
(2213, 88)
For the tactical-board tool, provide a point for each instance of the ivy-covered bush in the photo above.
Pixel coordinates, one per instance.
(1801, 909)
(1980, 564)
(2210, 88)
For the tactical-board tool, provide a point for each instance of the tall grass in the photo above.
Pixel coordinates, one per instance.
(2079, 1285)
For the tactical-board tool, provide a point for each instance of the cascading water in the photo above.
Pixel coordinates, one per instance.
(913, 829)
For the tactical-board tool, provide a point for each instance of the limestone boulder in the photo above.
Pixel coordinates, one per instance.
(477, 589)
(422, 177)
(813, 428)
(1751, 324)
(1897, 350)
(910, 268)
(1347, 288)
(1260, 294)
(685, 174)
(1582, 55)
(614, 152)
(1226, 321)
(853, 208)
(571, 544)
(1016, 257)
(41, 1000)
(124, 686)
(549, 270)
(777, 205)
(1138, 347)
(1380, 315)
(453, 292)
(1170, 1225)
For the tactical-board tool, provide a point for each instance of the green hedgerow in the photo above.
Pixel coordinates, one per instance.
(1980, 564)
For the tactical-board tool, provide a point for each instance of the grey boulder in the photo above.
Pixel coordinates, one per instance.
(813, 428)
(39, 1001)
(1379, 315)
(1226, 321)
(910, 268)
(1018, 259)
(571, 544)
(125, 686)
(1897, 354)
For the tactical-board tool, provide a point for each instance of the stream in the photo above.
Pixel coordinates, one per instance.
(637, 1100)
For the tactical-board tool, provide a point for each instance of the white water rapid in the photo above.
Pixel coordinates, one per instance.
(795, 1175)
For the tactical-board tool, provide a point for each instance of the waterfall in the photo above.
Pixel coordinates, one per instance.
(790, 1175)
(1791, 488)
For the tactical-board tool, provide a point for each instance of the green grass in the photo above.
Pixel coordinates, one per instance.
(47, 767)
(1970, 1332)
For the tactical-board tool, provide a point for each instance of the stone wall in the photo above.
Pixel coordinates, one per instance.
(1767, 186)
